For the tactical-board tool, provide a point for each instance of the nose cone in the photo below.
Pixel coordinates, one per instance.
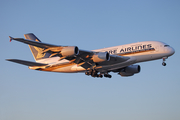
(171, 51)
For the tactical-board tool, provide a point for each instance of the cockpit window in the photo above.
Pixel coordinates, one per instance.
(166, 45)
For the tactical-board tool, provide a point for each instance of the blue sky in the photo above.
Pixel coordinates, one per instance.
(153, 94)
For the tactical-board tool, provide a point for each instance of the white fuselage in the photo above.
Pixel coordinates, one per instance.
(138, 52)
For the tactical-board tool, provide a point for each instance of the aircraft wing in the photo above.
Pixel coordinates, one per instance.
(33, 43)
(28, 63)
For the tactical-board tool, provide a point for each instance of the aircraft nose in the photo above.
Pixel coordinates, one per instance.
(171, 51)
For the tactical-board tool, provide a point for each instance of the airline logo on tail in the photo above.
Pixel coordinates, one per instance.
(40, 53)
(36, 51)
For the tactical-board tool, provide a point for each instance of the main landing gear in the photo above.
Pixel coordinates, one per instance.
(107, 75)
(164, 59)
(94, 73)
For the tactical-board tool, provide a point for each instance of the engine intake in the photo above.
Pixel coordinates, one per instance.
(101, 57)
(69, 51)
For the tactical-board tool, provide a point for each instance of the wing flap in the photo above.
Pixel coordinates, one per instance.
(27, 63)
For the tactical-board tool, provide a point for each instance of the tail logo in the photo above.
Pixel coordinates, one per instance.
(40, 52)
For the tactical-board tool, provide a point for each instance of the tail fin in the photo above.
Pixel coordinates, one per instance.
(36, 51)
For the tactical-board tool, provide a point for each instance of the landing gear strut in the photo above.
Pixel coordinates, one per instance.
(164, 59)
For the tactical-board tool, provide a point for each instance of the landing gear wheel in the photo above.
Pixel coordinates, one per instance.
(100, 76)
(94, 73)
(164, 64)
(110, 76)
(164, 59)
(107, 75)
(87, 73)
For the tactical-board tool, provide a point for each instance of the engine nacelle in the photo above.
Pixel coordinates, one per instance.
(130, 70)
(69, 51)
(101, 57)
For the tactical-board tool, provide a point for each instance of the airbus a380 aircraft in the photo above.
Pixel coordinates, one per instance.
(70, 59)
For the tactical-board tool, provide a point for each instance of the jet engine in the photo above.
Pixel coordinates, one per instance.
(101, 57)
(69, 51)
(130, 70)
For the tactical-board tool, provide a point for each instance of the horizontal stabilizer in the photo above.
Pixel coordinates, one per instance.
(28, 63)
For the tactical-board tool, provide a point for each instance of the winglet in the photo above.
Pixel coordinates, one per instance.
(11, 38)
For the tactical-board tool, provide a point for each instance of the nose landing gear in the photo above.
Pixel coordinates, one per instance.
(164, 64)
(164, 59)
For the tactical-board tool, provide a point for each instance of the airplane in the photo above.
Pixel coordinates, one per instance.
(120, 59)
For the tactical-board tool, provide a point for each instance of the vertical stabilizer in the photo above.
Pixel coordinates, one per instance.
(36, 51)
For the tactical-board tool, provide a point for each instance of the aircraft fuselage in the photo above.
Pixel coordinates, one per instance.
(138, 52)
